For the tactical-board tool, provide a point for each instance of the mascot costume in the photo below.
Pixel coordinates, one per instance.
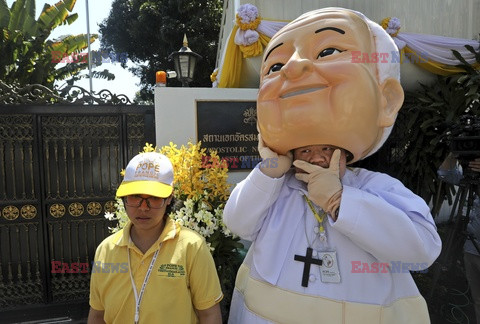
(330, 244)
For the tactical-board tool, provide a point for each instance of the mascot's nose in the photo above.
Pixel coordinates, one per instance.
(296, 67)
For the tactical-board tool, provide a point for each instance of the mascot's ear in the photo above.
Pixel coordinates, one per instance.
(392, 100)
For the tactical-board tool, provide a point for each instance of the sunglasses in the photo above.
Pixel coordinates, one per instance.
(152, 202)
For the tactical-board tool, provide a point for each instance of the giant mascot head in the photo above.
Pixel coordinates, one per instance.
(329, 77)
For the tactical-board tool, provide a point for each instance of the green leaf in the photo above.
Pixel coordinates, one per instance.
(71, 18)
(472, 50)
(473, 90)
(465, 65)
(17, 15)
(30, 8)
(30, 26)
(71, 44)
(4, 14)
(55, 15)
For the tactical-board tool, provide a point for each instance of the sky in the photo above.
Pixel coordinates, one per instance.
(125, 82)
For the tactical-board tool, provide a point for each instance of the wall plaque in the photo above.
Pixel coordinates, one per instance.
(230, 128)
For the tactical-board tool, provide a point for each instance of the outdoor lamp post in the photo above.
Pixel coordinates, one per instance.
(185, 61)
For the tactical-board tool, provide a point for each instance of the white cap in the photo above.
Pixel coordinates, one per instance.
(149, 174)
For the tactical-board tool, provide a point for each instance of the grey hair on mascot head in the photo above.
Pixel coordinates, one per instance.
(383, 44)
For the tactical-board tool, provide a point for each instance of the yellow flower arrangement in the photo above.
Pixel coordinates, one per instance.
(191, 179)
(203, 189)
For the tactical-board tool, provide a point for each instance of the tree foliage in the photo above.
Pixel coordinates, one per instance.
(430, 115)
(149, 31)
(27, 56)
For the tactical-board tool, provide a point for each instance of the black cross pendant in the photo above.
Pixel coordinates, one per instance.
(308, 261)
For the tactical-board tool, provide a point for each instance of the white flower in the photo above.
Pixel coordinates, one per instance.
(226, 231)
(210, 247)
(188, 204)
(393, 26)
(198, 215)
(113, 229)
(394, 23)
(247, 13)
(204, 232)
(204, 205)
(246, 37)
(110, 216)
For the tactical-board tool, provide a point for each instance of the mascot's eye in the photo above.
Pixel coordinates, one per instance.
(329, 51)
(275, 67)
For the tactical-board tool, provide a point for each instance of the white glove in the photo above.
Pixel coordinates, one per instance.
(322, 183)
(273, 165)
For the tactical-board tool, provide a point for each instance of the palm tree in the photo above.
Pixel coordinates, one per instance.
(27, 56)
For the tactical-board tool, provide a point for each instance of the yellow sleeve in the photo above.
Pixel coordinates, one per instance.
(204, 282)
(95, 300)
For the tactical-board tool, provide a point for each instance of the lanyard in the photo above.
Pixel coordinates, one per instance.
(138, 297)
(320, 219)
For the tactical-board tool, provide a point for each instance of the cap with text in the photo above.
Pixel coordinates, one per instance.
(147, 174)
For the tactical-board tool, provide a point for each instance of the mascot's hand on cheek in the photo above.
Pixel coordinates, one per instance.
(273, 165)
(323, 183)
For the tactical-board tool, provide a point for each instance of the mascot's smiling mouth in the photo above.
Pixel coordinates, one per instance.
(300, 92)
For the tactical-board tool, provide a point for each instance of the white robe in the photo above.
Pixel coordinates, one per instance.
(379, 221)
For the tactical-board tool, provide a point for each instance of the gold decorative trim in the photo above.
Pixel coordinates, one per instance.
(110, 206)
(28, 211)
(10, 212)
(57, 210)
(75, 209)
(94, 208)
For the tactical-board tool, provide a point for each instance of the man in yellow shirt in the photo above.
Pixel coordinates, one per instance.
(153, 270)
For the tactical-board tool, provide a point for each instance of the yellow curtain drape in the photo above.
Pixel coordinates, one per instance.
(233, 60)
(232, 63)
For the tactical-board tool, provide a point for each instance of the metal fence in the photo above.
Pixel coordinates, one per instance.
(59, 169)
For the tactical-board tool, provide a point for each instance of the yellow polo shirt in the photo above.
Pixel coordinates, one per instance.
(184, 277)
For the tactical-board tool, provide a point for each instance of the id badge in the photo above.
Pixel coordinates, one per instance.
(329, 269)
